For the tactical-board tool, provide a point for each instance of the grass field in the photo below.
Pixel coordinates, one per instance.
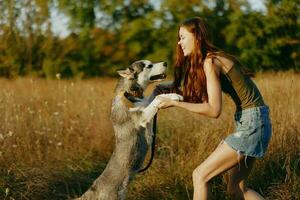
(56, 137)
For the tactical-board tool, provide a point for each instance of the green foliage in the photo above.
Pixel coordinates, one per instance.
(282, 30)
(82, 14)
(267, 41)
(108, 35)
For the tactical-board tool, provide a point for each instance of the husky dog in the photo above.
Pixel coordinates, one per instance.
(132, 119)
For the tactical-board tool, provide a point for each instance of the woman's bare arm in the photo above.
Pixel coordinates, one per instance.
(213, 107)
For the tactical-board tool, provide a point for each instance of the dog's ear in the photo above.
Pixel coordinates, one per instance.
(125, 73)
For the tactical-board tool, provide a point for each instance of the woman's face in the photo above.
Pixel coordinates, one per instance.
(187, 41)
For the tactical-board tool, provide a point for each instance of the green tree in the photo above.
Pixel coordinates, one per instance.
(81, 13)
(282, 32)
(266, 41)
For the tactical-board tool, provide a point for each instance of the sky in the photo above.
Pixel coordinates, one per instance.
(257, 5)
(60, 22)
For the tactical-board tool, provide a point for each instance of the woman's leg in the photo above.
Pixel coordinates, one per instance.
(236, 181)
(222, 159)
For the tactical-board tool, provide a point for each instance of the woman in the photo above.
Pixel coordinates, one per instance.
(206, 72)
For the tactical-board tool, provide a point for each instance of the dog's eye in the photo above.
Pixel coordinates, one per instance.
(142, 65)
(150, 66)
(131, 69)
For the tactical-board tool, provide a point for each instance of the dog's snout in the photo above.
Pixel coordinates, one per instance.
(165, 64)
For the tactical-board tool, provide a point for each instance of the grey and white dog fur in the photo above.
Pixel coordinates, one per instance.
(132, 119)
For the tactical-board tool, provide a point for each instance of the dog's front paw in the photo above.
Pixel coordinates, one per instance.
(173, 96)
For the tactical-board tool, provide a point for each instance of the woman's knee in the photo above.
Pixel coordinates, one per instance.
(199, 175)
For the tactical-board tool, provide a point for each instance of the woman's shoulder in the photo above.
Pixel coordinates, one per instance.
(223, 62)
(209, 66)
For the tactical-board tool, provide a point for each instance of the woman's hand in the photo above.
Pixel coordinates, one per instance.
(166, 102)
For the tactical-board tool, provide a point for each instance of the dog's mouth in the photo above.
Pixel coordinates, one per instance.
(158, 77)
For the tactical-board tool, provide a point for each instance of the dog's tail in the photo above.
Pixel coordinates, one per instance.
(152, 145)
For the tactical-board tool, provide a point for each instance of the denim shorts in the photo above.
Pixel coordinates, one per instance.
(253, 131)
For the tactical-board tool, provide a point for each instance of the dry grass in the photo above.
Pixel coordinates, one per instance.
(56, 136)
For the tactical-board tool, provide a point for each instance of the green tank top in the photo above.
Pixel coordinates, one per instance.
(241, 88)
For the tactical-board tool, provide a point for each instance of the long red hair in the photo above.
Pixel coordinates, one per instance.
(190, 68)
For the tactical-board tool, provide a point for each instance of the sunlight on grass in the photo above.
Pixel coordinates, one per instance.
(56, 137)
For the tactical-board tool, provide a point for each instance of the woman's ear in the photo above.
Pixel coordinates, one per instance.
(124, 73)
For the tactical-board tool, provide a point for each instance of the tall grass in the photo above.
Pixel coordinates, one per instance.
(56, 137)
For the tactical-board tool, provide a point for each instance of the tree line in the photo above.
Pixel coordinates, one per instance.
(109, 35)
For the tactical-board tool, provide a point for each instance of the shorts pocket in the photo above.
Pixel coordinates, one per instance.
(249, 125)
